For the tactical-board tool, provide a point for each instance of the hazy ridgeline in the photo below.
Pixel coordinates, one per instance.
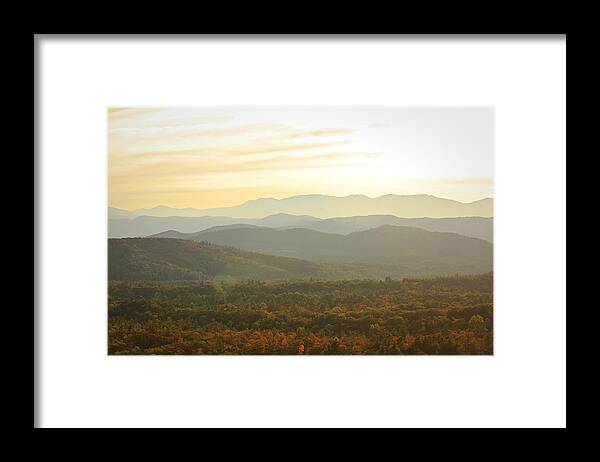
(323, 206)
(338, 215)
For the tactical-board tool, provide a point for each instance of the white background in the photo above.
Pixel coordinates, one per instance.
(523, 384)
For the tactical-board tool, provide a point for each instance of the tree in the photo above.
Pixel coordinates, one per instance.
(477, 324)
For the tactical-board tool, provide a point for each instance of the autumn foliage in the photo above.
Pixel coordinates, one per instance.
(439, 316)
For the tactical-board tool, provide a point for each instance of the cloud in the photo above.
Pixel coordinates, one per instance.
(459, 181)
(140, 119)
(284, 148)
(131, 140)
(115, 113)
(323, 132)
(175, 168)
(226, 155)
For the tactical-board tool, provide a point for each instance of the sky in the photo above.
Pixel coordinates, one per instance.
(205, 157)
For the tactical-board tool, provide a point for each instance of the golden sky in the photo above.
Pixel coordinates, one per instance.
(220, 156)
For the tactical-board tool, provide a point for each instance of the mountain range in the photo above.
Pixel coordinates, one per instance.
(413, 250)
(171, 259)
(479, 227)
(324, 206)
(317, 236)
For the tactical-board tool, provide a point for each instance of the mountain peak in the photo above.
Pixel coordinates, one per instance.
(280, 215)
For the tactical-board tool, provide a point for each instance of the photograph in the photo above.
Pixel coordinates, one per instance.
(300, 230)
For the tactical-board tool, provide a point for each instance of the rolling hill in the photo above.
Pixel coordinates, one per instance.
(478, 227)
(114, 213)
(145, 226)
(155, 259)
(412, 249)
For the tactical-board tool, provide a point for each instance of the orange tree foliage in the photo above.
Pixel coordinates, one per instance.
(439, 316)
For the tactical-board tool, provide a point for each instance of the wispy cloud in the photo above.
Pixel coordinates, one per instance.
(222, 156)
(177, 168)
(323, 132)
(156, 117)
(466, 181)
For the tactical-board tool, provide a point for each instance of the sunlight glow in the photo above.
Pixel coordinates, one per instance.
(215, 157)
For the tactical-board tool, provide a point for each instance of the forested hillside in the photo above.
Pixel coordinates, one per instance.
(157, 259)
(415, 250)
(166, 259)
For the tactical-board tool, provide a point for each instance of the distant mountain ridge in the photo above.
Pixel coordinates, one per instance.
(413, 249)
(479, 227)
(149, 259)
(324, 206)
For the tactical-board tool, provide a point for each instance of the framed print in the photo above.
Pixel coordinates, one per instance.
(295, 232)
